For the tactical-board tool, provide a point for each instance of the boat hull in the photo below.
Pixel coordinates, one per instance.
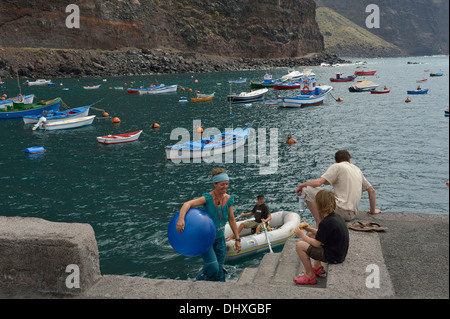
(216, 145)
(31, 109)
(165, 89)
(246, 97)
(379, 92)
(68, 124)
(57, 116)
(119, 138)
(283, 224)
(425, 91)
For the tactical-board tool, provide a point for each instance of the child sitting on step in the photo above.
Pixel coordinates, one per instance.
(331, 241)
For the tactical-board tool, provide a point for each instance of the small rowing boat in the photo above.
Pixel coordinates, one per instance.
(119, 138)
(282, 227)
(91, 87)
(54, 116)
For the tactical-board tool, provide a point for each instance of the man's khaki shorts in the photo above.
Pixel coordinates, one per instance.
(309, 194)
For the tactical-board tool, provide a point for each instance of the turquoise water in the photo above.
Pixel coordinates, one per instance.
(129, 192)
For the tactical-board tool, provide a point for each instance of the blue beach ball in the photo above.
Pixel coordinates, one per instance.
(198, 234)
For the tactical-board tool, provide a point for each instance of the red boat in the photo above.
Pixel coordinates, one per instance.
(365, 72)
(287, 86)
(119, 138)
(133, 91)
(380, 92)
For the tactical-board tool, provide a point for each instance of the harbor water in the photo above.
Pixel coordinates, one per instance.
(129, 192)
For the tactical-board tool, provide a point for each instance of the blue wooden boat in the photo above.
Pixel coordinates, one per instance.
(421, 91)
(215, 145)
(241, 80)
(19, 110)
(52, 116)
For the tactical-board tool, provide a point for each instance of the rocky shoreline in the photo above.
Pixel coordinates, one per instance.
(36, 63)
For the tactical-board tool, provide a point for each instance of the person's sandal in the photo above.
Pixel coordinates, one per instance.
(303, 280)
(319, 271)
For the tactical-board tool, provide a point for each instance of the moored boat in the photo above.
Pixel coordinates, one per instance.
(241, 80)
(339, 78)
(288, 86)
(282, 227)
(306, 98)
(64, 124)
(38, 82)
(363, 86)
(119, 138)
(91, 87)
(19, 110)
(363, 71)
(58, 115)
(266, 83)
(384, 91)
(215, 145)
(25, 99)
(246, 97)
(418, 91)
(440, 73)
(159, 89)
(203, 97)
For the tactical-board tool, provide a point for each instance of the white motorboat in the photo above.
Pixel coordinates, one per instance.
(38, 82)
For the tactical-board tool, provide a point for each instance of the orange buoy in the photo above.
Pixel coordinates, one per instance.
(105, 114)
(408, 100)
(290, 140)
(155, 125)
(116, 120)
(190, 90)
(198, 129)
(183, 89)
(339, 99)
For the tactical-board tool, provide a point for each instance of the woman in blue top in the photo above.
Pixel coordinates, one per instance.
(219, 205)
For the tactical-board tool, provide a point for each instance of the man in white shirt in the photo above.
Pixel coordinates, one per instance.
(348, 183)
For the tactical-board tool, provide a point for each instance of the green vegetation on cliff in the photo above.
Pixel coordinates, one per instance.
(345, 38)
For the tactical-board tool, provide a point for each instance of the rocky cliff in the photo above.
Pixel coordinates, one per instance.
(235, 28)
(419, 27)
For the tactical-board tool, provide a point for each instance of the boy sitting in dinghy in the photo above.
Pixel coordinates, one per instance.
(261, 213)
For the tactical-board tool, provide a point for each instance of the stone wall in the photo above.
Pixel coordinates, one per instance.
(38, 256)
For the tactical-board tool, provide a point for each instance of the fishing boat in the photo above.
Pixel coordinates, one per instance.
(418, 91)
(384, 91)
(119, 138)
(363, 86)
(266, 83)
(215, 145)
(288, 86)
(246, 97)
(159, 89)
(282, 227)
(19, 110)
(25, 99)
(64, 124)
(339, 78)
(203, 97)
(91, 87)
(58, 115)
(241, 80)
(363, 71)
(440, 73)
(132, 91)
(306, 98)
(38, 82)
